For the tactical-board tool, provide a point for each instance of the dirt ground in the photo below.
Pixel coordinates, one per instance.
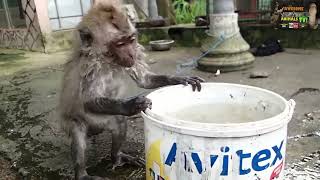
(32, 145)
(5, 170)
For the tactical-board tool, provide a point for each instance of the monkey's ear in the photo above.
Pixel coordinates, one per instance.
(85, 36)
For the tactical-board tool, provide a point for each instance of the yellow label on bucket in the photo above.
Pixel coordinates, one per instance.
(155, 166)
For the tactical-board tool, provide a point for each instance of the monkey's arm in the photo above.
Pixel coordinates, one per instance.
(152, 81)
(149, 80)
(126, 107)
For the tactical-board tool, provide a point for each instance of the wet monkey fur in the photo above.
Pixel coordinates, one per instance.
(92, 97)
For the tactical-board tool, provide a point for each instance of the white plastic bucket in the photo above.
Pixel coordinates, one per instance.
(248, 144)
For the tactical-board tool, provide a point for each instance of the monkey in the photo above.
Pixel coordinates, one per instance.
(92, 97)
(313, 16)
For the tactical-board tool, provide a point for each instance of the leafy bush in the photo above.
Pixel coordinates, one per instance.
(186, 12)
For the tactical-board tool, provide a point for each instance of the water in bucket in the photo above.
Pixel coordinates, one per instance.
(221, 113)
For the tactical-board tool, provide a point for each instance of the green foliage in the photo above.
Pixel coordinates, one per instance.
(186, 12)
(144, 39)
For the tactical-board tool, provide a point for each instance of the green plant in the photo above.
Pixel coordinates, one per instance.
(186, 12)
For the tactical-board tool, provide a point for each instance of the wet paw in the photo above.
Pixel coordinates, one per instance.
(195, 82)
(138, 104)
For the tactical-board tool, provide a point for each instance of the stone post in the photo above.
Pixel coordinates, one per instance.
(232, 54)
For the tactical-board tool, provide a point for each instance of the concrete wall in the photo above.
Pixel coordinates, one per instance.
(29, 38)
(43, 15)
(13, 38)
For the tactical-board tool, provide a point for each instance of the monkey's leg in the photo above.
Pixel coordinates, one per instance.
(117, 156)
(78, 149)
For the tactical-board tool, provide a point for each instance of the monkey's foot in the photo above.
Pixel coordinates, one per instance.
(92, 178)
(123, 159)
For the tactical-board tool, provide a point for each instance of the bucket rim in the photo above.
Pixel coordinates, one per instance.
(225, 130)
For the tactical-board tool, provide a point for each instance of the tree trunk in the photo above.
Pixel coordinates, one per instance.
(165, 10)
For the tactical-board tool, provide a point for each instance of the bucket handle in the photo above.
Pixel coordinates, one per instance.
(292, 105)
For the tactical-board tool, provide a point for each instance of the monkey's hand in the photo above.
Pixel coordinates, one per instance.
(195, 82)
(137, 104)
(126, 107)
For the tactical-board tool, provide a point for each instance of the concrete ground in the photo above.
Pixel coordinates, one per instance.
(32, 146)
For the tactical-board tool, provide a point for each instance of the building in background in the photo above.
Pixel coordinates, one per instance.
(32, 24)
(66, 14)
(41, 25)
(19, 25)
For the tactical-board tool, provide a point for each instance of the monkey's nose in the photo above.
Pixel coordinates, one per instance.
(132, 56)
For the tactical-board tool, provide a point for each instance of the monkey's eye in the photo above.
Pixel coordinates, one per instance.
(132, 38)
(120, 43)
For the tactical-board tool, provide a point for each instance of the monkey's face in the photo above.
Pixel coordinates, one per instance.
(108, 30)
(124, 50)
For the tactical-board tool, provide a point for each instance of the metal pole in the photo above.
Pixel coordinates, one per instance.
(81, 6)
(59, 19)
(7, 12)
